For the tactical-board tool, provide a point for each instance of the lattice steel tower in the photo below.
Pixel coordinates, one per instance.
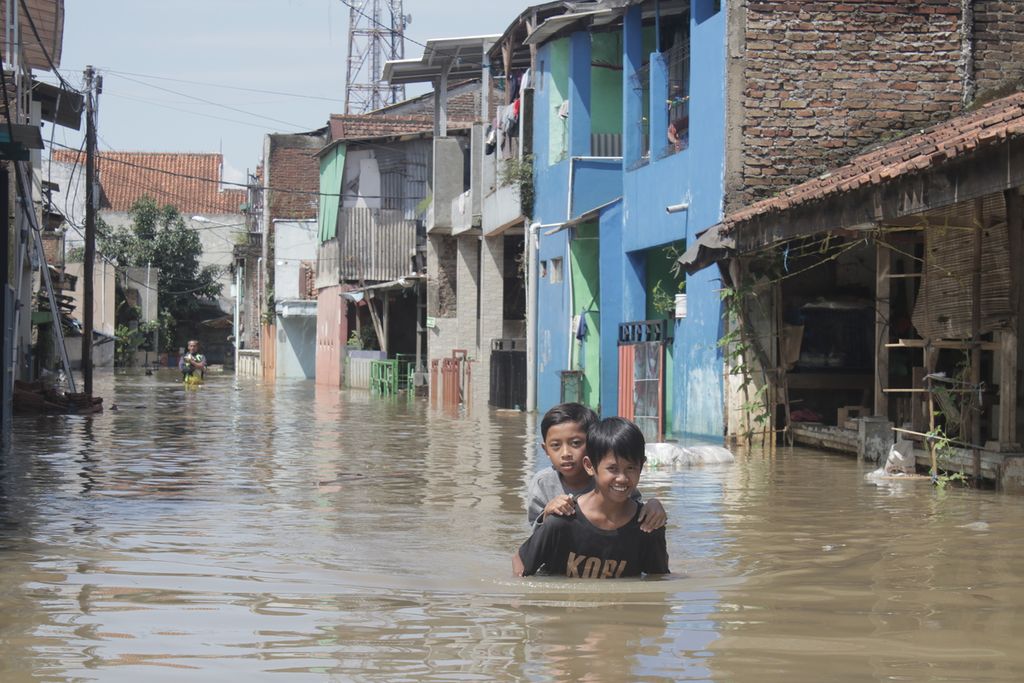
(376, 34)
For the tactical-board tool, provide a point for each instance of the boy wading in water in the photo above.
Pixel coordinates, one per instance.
(603, 540)
(553, 490)
(193, 363)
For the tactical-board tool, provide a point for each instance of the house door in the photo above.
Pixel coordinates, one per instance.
(642, 375)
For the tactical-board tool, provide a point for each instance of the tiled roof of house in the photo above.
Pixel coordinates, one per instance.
(354, 126)
(991, 124)
(189, 182)
(410, 117)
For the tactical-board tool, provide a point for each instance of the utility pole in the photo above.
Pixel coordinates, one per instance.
(90, 229)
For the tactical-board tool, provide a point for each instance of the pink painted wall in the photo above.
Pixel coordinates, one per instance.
(331, 335)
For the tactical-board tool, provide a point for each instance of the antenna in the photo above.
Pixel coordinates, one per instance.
(376, 34)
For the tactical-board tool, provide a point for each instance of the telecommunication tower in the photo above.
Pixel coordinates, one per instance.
(376, 34)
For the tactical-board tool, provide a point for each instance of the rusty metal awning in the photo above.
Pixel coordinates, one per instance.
(59, 105)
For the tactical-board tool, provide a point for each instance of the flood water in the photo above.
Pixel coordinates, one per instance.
(249, 531)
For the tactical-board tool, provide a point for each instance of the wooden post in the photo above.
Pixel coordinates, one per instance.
(1008, 387)
(781, 375)
(975, 415)
(1011, 361)
(883, 266)
(931, 429)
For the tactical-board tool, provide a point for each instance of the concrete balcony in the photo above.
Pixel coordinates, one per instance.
(467, 207)
(593, 181)
(447, 184)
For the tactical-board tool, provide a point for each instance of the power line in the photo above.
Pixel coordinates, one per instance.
(116, 72)
(124, 162)
(188, 111)
(211, 102)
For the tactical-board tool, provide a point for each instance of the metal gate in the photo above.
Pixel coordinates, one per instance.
(508, 373)
(642, 373)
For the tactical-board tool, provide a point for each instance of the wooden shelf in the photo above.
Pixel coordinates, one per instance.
(830, 380)
(942, 344)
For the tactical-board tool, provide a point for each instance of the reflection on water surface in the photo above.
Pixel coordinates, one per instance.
(257, 529)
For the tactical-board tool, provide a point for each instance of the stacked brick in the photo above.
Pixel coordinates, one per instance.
(294, 176)
(823, 80)
(998, 44)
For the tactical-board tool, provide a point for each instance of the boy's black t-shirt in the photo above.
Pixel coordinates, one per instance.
(573, 547)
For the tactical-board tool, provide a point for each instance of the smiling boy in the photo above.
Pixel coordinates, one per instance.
(553, 490)
(603, 539)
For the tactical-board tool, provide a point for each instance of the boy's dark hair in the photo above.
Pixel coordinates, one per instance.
(616, 435)
(568, 412)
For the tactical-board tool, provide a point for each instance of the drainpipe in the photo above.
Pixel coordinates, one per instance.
(238, 310)
(532, 247)
(531, 316)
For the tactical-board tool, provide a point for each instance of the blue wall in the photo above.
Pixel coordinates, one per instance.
(549, 206)
(639, 222)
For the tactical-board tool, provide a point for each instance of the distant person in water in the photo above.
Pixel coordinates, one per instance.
(193, 363)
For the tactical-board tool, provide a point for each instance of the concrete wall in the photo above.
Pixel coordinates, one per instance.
(296, 242)
(104, 304)
(218, 235)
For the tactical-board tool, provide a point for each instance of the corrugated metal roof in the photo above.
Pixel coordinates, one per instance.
(461, 57)
(42, 32)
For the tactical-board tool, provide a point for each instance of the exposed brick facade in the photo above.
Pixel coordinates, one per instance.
(999, 43)
(822, 81)
(293, 172)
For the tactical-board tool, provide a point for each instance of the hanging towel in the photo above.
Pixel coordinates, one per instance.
(581, 327)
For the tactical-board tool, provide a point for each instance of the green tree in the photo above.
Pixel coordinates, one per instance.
(159, 237)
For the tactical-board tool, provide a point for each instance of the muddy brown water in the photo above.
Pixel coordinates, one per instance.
(249, 531)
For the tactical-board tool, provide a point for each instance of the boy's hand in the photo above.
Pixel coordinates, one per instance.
(652, 516)
(560, 505)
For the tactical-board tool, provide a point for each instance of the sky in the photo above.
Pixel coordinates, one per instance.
(217, 75)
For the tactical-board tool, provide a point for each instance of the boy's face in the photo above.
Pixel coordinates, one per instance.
(193, 346)
(566, 445)
(615, 478)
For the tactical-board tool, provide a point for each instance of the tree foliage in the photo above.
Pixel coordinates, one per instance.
(159, 237)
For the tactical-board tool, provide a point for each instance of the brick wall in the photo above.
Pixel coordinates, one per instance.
(294, 174)
(442, 290)
(823, 80)
(998, 44)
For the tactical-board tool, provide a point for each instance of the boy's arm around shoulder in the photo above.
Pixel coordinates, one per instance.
(652, 515)
(654, 552)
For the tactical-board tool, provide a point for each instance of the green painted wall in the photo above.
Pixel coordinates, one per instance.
(332, 167)
(606, 83)
(661, 282)
(659, 277)
(558, 81)
(586, 356)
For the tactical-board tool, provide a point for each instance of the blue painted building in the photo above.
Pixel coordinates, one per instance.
(629, 157)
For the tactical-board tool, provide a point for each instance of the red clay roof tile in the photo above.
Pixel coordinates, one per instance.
(190, 182)
(993, 123)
